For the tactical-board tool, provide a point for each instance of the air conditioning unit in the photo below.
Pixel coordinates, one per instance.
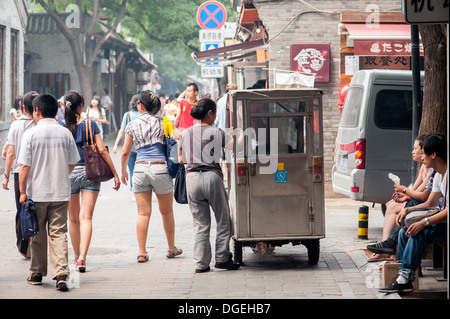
(104, 66)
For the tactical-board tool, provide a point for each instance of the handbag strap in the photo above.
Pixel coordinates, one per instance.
(87, 135)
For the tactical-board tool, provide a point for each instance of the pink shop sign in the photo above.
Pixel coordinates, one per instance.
(312, 58)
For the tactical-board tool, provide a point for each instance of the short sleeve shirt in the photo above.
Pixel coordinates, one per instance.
(16, 131)
(186, 120)
(202, 148)
(48, 149)
(440, 185)
(81, 139)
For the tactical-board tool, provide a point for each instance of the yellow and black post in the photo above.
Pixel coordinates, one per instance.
(363, 222)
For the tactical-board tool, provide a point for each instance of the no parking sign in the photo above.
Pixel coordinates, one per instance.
(211, 15)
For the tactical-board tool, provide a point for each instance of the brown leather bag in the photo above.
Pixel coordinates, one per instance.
(97, 169)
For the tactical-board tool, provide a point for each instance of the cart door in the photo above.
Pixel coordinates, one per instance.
(279, 157)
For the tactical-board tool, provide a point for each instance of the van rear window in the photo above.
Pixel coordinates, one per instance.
(352, 107)
(393, 109)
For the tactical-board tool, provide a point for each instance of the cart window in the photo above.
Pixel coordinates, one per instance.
(291, 133)
(317, 128)
(281, 106)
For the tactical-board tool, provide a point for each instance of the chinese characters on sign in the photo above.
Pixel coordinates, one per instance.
(426, 11)
(390, 62)
(384, 47)
(212, 72)
(312, 58)
(211, 35)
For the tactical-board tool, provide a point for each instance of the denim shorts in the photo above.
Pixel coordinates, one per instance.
(152, 177)
(79, 182)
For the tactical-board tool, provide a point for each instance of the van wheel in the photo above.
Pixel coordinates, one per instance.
(313, 246)
(383, 209)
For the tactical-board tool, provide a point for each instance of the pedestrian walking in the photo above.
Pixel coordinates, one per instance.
(84, 193)
(150, 173)
(187, 101)
(47, 155)
(96, 113)
(16, 131)
(204, 186)
(129, 116)
(107, 105)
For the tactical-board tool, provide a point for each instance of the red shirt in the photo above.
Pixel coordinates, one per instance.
(186, 120)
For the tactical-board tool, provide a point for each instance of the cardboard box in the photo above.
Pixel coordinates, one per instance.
(390, 273)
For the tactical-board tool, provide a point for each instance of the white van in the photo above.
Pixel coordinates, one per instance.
(374, 136)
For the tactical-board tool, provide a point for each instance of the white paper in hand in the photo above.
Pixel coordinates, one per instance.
(394, 178)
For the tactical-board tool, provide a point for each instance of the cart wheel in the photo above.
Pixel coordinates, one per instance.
(237, 247)
(313, 247)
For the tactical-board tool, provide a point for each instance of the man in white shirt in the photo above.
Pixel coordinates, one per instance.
(47, 156)
(413, 240)
(16, 131)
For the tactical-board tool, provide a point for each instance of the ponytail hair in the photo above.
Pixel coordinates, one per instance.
(72, 100)
(202, 108)
(150, 101)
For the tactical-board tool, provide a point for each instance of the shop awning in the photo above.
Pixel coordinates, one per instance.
(380, 31)
(229, 53)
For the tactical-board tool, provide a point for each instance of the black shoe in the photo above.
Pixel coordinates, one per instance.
(61, 283)
(385, 247)
(199, 271)
(396, 287)
(228, 265)
(35, 279)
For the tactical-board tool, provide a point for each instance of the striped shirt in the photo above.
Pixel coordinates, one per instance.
(48, 149)
(146, 130)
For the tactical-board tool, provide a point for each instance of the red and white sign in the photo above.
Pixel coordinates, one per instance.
(211, 15)
(312, 58)
(384, 47)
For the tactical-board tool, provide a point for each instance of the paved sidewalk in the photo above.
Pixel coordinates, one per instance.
(112, 270)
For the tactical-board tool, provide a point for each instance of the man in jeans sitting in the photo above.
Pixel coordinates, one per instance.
(413, 240)
(47, 156)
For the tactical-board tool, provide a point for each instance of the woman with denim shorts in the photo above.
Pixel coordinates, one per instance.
(150, 174)
(80, 214)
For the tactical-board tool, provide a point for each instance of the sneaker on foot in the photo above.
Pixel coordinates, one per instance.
(35, 279)
(61, 283)
(396, 287)
(81, 265)
(385, 247)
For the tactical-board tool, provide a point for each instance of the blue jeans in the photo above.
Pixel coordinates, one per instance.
(411, 249)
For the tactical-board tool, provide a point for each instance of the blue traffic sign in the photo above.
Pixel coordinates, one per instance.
(211, 15)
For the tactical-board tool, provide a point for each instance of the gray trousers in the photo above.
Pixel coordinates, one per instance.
(205, 190)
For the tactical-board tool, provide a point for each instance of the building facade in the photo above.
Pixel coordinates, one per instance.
(13, 22)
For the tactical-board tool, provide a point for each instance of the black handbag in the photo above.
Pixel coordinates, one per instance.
(28, 220)
(179, 192)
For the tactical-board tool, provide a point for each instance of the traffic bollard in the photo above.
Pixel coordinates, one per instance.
(363, 222)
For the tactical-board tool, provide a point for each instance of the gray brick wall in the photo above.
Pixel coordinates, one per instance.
(314, 27)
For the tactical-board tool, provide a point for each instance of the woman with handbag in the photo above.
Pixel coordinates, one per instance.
(200, 149)
(150, 174)
(84, 192)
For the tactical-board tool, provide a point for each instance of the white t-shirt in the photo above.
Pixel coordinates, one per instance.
(440, 185)
(96, 114)
(48, 149)
(16, 131)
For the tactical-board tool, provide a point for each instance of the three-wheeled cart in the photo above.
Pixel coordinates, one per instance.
(275, 170)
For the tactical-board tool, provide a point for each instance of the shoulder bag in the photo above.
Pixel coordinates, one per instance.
(171, 148)
(97, 169)
(179, 187)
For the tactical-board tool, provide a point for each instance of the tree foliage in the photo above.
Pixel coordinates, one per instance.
(169, 29)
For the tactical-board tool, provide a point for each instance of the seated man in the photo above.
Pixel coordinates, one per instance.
(413, 240)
